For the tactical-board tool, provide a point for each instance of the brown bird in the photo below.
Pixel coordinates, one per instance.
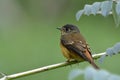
(74, 46)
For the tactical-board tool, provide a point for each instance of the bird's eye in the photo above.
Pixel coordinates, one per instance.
(67, 29)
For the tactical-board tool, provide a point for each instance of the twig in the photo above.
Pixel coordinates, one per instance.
(46, 68)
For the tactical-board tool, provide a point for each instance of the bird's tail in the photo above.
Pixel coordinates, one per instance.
(94, 65)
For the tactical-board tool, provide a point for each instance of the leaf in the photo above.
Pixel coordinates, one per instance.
(89, 73)
(102, 75)
(106, 7)
(116, 48)
(114, 77)
(113, 50)
(118, 8)
(118, 12)
(109, 51)
(75, 73)
(95, 8)
(87, 9)
(115, 15)
(102, 58)
(79, 14)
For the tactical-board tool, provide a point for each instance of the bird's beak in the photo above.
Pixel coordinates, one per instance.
(59, 29)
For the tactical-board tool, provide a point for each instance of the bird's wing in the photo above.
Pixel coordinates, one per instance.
(78, 48)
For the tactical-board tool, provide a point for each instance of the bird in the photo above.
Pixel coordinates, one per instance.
(74, 46)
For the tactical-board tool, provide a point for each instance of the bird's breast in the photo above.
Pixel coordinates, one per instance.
(65, 51)
(70, 55)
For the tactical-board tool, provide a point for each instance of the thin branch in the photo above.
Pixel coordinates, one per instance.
(46, 68)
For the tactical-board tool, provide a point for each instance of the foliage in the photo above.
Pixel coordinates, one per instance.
(111, 51)
(104, 8)
(92, 74)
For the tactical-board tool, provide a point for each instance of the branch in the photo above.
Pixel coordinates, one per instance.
(46, 68)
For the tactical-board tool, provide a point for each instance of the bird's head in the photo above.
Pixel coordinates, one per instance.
(68, 28)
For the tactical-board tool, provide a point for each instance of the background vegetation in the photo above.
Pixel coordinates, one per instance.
(29, 38)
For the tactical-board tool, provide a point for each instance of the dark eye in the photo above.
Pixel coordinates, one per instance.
(67, 29)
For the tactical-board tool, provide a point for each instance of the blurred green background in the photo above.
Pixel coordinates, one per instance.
(29, 38)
